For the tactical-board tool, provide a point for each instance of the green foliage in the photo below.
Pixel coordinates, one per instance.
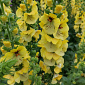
(6, 2)
(5, 67)
(36, 80)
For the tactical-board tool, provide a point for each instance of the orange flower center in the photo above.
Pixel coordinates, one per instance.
(16, 53)
(60, 27)
(50, 19)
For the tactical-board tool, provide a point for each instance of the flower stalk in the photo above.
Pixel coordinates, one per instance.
(54, 4)
(2, 8)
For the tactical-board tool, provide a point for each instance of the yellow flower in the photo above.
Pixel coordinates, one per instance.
(2, 50)
(82, 26)
(17, 77)
(55, 78)
(22, 25)
(36, 35)
(58, 8)
(37, 54)
(57, 70)
(54, 81)
(8, 56)
(7, 10)
(49, 62)
(4, 18)
(2, 58)
(27, 35)
(78, 20)
(83, 16)
(49, 55)
(22, 74)
(19, 12)
(59, 77)
(60, 62)
(49, 23)
(23, 7)
(62, 32)
(76, 28)
(15, 31)
(50, 47)
(27, 82)
(25, 68)
(78, 35)
(20, 77)
(21, 40)
(31, 72)
(49, 3)
(20, 53)
(7, 43)
(59, 48)
(64, 45)
(31, 17)
(50, 39)
(29, 1)
(10, 80)
(64, 15)
(63, 48)
(43, 66)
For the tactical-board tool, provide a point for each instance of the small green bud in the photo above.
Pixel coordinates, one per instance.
(31, 64)
(34, 72)
(36, 60)
(74, 82)
(32, 59)
(34, 51)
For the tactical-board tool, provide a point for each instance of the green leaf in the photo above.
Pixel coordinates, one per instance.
(11, 15)
(59, 15)
(81, 80)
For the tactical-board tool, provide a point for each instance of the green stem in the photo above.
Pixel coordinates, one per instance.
(54, 4)
(2, 8)
(8, 33)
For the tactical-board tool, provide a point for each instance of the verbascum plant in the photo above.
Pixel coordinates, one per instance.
(79, 18)
(20, 68)
(80, 60)
(29, 35)
(28, 14)
(53, 41)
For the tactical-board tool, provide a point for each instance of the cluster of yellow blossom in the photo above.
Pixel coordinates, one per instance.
(22, 56)
(79, 26)
(79, 15)
(53, 42)
(75, 6)
(28, 15)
